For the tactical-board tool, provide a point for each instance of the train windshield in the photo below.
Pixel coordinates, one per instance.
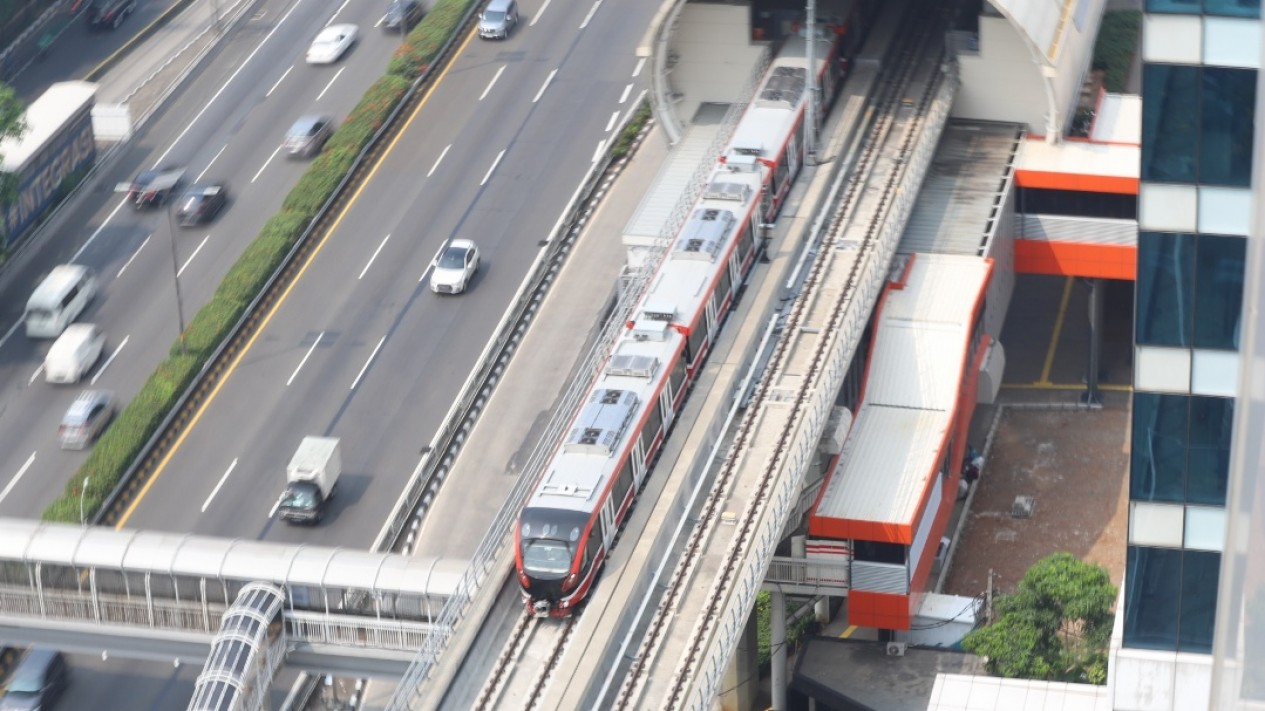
(545, 556)
(550, 539)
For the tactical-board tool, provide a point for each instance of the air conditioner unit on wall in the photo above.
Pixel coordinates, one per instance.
(895, 649)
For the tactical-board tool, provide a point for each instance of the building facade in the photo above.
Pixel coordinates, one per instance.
(1200, 60)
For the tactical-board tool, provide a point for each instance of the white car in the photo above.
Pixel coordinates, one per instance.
(331, 44)
(455, 267)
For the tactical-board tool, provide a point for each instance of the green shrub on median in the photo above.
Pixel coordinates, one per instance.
(123, 440)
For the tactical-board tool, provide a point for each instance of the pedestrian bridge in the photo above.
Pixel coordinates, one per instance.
(156, 595)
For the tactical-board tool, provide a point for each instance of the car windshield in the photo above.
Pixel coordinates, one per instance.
(493, 16)
(303, 497)
(453, 258)
(26, 682)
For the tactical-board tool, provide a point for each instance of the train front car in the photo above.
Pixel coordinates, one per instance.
(551, 559)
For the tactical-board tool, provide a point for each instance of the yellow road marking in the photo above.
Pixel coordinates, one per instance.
(1058, 331)
(1057, 386)
(848, 632)
(162, 465)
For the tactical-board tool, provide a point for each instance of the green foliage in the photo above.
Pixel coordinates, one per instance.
(1117, 42)
(424, 42)
(626, 137)
(1056, 626)
(795, 631)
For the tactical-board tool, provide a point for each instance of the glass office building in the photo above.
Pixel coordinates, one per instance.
(1200, 61)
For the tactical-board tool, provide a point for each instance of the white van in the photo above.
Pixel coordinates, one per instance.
(59, 300)
(74, 353)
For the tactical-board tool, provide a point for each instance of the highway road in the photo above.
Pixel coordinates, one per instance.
(228, 123)
(360, 348)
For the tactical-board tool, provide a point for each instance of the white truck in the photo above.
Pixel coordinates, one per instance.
(311, 478)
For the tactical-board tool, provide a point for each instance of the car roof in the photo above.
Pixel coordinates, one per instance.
(79, 409)
(38, 657)
(306, 122)
(461, 244)
(335, 32)
(203, 190)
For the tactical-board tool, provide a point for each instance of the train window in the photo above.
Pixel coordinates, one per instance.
(698, 337)
(594, 544)
(677, 380)
(654, 421)
(623, 482)
(746, 240)
(722, 285)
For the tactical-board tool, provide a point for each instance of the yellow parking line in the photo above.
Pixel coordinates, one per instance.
(162, 465)
(1058, 330)
(1057, 386)
(848, 632)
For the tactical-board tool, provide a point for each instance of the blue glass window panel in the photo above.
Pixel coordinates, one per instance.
(1225, 136)
(1208, 462)
(1152, 597)
(1228, 8)
(1201, 574)
(1183, 7)
(1219, 268)
(1170, 122)
(1157, 470)
(1165, 308)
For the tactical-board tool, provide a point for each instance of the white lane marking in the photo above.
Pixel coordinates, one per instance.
(265, 165)
(597, 154)
(331, 83)
(211, 163)
(98, 231)
(273, 511)
(17, 476)
(110, 360)
(375, 256)
(433, 261)
(544, 86)
(307, 355)
(36, 374)
(592, 12)
(216, 490)
(539, 13)
(10, 332)
(283, 76)
(372, 355)
(437, 160)
(340, 9)
(244, 64)
(624, 96)
(611, 124)
(491, 83)
(191, 256)
(380, 21)
(640, 64)
(134, 255)
(494, 164)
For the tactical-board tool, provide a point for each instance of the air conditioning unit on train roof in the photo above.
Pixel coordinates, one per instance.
(653, 322)
(742, 160)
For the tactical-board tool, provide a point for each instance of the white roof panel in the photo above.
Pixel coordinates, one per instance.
(1118, 119)
(1081, 158)
(886, 462)
(915, 367)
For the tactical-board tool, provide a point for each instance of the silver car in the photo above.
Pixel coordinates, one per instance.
(497, 19)
(455, 267)
(85, 419)
(308, 135)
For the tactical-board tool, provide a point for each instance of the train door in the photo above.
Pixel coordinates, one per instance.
(710, 313)
(608, 524)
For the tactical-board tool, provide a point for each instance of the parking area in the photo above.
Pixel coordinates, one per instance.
(1073, 462)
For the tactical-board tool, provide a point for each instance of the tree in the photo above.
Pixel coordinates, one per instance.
(12, 125)
(1056, 626)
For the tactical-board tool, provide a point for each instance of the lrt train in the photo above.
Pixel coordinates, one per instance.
(570, 520)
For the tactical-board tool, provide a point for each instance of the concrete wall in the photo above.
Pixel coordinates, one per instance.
(715, 57)
(1001, 82)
